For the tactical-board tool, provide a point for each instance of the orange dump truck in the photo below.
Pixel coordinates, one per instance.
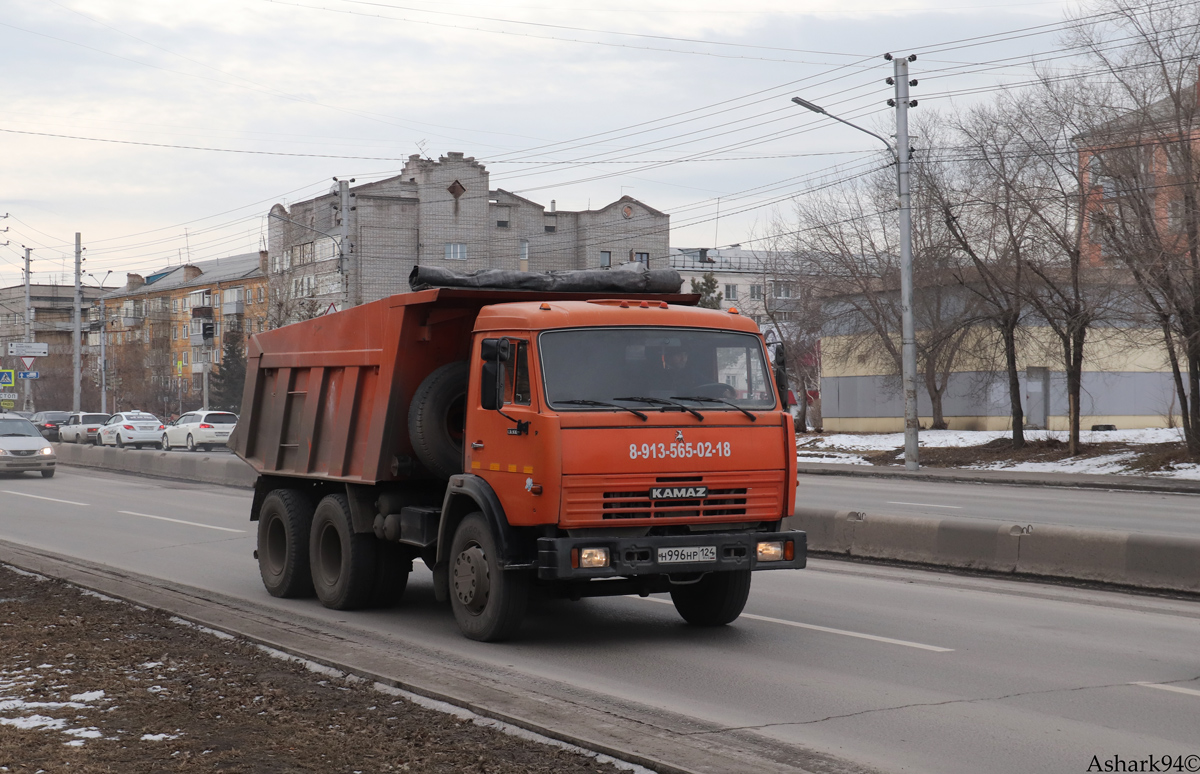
(632, 444)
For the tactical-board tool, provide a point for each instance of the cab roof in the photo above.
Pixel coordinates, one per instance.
(543, 315)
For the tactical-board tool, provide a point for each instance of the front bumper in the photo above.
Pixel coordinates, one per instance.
(633, 557)
(11, 463)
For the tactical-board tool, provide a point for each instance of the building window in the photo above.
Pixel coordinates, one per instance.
(456, 251)
(551, 229)
(260, 295)
(1175, 217)
(502, 224)
(642, 258)
(606, 258)
(174, 304)
(185, 357)
(756, 292)
(781, 289)
(174, 333)
(731, 292)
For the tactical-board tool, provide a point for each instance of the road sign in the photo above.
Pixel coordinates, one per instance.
(9, 396)
(27, 362)
(7, 379)
(27, 349)
(27, 374)
(7, 404)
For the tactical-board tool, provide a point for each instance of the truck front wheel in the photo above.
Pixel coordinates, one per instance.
(488, 602)
(343, 561)
(283, 526)
(714, 600)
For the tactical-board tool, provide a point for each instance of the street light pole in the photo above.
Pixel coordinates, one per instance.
(103, 336)
(901, 151)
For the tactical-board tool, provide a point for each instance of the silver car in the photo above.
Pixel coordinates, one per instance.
(23, 448)
(81, 428)
(130, 428)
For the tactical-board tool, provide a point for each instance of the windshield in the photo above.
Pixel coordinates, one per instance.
(18, 427)
(56, 416)
(91, 419)
(604, 364)
(220, 419)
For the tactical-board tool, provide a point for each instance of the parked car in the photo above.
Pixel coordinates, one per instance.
(199, 430)
(81, 428)
(130, 428)
(23, 448)
(48, 422)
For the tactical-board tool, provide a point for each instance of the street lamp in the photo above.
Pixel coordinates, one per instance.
(103, 336)
(908, 341)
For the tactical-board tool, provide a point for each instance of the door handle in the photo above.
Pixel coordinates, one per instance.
(476, 444)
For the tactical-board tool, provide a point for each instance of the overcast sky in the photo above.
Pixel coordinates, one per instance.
(679, 103)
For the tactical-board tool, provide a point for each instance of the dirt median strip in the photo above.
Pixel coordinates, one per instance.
(93, 683)
(649, 736)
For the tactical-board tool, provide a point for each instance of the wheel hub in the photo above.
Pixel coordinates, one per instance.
(472, 583)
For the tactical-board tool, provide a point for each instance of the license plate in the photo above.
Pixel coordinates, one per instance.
(219, 435)
(146, 427)
(687, 554)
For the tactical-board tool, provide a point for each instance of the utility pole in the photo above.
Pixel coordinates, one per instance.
(77, 355)
(344, 238)
(908, 336)
(27, 405)
(207, 367)
(902, 152)
(103, 359)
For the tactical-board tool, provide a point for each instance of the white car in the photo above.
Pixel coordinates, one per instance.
(23, 448)
(130, 428)
(81, 428)
(199, 430)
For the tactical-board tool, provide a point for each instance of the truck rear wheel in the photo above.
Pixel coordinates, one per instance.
(342, 561)
(284, 523)
(488, 602)
(437, 419)
(715, 600)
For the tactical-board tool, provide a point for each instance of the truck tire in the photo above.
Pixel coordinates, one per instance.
(391, 575)
(714, 600)
(284, 524)
(488, 602)
(437, 419)
(342, 561)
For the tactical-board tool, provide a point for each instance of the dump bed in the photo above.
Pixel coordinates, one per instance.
(328, 398)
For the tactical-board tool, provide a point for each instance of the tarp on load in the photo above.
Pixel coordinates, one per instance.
(626, 278)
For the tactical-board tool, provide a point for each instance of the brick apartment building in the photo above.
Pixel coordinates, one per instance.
(156, 351)
(441, 213)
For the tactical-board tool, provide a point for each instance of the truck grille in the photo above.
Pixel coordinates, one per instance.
(596, 500)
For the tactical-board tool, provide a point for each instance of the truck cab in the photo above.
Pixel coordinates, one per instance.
(591, 446)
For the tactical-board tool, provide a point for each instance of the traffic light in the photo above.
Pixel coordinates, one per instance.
(207, 330)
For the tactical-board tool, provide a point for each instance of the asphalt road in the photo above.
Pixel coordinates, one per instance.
(1165, 513)
(896, 669)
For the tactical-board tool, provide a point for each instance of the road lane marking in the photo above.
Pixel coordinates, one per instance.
(827, 630)
(180, 521)
(40, 497)
(925, 505)
(1171, 688)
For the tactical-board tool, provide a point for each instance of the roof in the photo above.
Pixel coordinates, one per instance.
(532, 315)
(230, 268)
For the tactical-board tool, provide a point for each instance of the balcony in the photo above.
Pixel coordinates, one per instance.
(131, 322)
(202, 311)
(233, 307)
(198, 368)
(198, 340)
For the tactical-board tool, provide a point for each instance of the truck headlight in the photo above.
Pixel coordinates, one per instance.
(771, 551)
(593, 557)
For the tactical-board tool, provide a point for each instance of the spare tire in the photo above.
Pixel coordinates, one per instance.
(437, 419)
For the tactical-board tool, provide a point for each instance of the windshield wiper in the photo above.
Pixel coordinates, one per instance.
(661, 402)
(582, 402)
(705, 399)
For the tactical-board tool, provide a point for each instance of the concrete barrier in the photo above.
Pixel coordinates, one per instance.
(1140, 560)
(223, 469)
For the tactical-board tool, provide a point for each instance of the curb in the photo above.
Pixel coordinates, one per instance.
(1133, 559)
(1017, 478)
(223, 469)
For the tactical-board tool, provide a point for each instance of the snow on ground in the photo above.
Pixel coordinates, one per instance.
(848, 448)
(954, 438)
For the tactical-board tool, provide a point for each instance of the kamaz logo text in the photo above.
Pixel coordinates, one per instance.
(678, 492)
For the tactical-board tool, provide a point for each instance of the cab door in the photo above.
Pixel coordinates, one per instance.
(512, 448)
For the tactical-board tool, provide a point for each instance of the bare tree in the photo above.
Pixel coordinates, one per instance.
(1143, 171)
(289, 302)
(849, 235)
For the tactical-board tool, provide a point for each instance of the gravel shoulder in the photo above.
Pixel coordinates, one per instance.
(93, 684)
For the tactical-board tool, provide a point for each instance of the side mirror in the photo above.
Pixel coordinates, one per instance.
(491, 386)
(781, 379)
